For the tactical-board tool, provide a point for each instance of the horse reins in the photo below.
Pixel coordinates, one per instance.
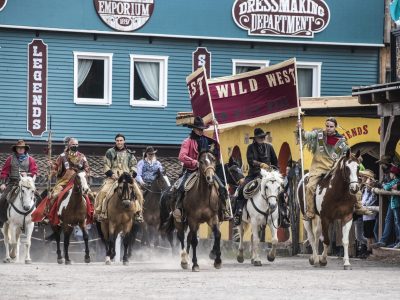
(23, 213)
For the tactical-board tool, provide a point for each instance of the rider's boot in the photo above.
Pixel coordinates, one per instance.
(177, 213)
(139, 217)
(224, 198)
(310, 209)
(237, 219)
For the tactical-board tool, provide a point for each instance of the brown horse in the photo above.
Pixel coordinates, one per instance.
(335, 199)
(200, 205)
(121, 211)
(72, 212)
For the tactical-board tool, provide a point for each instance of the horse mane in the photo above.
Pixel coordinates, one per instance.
(27, 182)
(334, 167)
(205, 151)
(125, 177)
(272, 175)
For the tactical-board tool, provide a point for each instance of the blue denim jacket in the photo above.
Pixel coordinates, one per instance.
(394, 200)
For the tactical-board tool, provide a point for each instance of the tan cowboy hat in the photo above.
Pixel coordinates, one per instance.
(367, 173)
(20, 143)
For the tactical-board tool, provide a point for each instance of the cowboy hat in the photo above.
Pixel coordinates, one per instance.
(198, 123)
(20, 143)
(384, 160)
(367, 173)
(150, 150)
(258, 133)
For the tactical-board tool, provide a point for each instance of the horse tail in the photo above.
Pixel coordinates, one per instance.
(300, 197)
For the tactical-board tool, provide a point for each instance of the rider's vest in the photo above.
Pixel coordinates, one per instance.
(17, 167)
(149, 171)
(337, 149)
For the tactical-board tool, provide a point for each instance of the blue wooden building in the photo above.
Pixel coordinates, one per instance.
(102, 67)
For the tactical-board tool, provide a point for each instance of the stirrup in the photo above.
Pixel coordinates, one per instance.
(139, 218)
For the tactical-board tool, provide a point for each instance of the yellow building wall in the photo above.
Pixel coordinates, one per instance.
(356, 130)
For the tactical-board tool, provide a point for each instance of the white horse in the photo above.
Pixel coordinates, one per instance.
(20, 221)
(262, 209)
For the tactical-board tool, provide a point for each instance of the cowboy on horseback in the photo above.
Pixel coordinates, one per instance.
(118, 160)
(196, 143)
(20, 163)
(327, 146)
(70, 159)
(260, 155)
(147, 167)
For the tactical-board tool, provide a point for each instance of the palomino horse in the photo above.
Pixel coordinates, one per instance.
(121, 211)
(72, 212)
(335, 199)
(20, 221)
(262, 209)
(151, 210)
(200, 204)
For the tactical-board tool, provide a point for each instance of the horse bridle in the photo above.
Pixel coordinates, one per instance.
(23, 213)
(344, 172)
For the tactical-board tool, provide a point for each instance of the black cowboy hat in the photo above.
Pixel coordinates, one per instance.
(198, 123)
(258, 133)
(150, 150)
(20, 143)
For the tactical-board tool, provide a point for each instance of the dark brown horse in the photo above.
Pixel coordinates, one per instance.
(200, 205)
(121, 208)
(72, 212)
(151, 212)
(334, 199)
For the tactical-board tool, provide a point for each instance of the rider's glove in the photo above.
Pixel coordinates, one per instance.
(264, 166)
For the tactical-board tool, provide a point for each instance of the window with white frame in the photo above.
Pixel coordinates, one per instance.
(149, 79)
(92, 78)
(241, 65)
(309, 77)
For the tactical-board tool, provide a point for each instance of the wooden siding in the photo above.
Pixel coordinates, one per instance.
(342, 68)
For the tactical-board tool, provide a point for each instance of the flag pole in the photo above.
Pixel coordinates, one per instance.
(215, 124)
(299, 113)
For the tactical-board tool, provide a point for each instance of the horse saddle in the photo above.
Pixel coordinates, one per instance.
(252, 188)
(12, 194)
(190, 181)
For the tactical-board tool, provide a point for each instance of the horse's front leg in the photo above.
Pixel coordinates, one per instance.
(255, 244)
(15, 232)
(316, 229)
(28, 230)
(192, 237)
(325, 233)
(184, 254)
(240, 256)
(345, 240)
(6, 233)
(217, 246)
(273, 226)
(67, 235)
(57, 233)
(126, 241)
(311, 239)
(86, 240)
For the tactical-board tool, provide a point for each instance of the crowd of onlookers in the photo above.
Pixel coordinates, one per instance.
(366, 226)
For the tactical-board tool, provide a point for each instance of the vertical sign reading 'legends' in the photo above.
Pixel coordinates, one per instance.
(124, 15)
(294, 18)
(37, 88)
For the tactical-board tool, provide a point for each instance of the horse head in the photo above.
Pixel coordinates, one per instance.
(162, 180)
(125, 190)
(351, 166)
(81, 181)
(207, 163)
(271, 187)
(27, 192)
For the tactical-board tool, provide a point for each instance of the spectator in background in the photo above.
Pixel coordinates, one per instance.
(369, 199)
(393, 214)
